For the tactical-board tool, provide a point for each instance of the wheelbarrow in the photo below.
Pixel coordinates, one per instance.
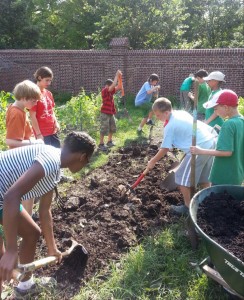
(228, 269)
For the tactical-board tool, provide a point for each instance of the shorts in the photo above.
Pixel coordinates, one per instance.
(1, 211)
(145, 108)
(107, 124)
(203, 167)
(52, 140)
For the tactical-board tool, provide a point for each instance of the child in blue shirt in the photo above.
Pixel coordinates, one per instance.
(143, 100)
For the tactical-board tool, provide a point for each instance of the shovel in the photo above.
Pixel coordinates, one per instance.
(131, 188)
(75, 248)
(169, 182)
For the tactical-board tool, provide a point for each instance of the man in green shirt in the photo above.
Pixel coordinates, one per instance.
(228, 165)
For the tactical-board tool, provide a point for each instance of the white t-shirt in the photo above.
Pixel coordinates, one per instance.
(178, 132)
(15, 162)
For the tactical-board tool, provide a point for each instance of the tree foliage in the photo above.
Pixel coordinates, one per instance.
(154, 24)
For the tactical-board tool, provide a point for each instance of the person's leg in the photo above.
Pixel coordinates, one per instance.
(143, 122)
(112, 130)
(28, 205)
(30, 233)
(186, 192)
(101, 139)
(2, 250)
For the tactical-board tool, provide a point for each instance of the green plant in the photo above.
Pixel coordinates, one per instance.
(80, 113)
(241, 105)
(61, 97)
(5, 98)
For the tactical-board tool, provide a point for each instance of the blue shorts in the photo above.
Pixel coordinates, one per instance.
(1, 211)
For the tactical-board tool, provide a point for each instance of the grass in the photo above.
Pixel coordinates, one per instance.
(162, 267)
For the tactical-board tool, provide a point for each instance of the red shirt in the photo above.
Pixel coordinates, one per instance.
(108, 106)
(45, 113)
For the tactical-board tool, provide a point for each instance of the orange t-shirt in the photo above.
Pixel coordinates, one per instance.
(17, 124)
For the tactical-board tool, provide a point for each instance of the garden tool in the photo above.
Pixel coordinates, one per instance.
(190, 226)
(75, 249)
(131, 188)
(123, 99)
(169, 182)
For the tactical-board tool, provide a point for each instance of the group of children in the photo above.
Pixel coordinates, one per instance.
(31, 168)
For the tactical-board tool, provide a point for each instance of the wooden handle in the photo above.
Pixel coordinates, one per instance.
(17, 275)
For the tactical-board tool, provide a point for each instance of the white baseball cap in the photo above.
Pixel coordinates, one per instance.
(216, 75)
(224, 97)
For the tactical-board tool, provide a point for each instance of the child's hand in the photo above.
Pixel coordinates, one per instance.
(190, 95)
(195, 150)
(56, 253)
(7, 264)
(119, 73)
(56, 127)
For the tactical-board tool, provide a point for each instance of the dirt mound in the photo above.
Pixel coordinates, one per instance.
(221, 217)
(106, 221)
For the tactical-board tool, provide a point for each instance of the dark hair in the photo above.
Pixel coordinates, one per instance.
(43, 72)
(80, 142)
(201, 73)
(153, 77)
(109, 82)
(162, 104)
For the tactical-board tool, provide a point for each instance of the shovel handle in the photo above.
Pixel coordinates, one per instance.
(139, 179)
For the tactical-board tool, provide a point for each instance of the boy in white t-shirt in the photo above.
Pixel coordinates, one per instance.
(178, 134)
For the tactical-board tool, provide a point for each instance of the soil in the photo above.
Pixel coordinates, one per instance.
(107, 221)
(221, 217)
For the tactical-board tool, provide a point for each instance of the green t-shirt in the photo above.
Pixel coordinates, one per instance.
(203, 95)
(209, 111)
(186, 84)
(230, 170)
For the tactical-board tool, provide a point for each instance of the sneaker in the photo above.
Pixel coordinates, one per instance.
(110, 144)
(150, 122)
(102, 147)
(179, 210)
(41, 285)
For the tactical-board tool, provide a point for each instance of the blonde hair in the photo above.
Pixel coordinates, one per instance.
(162, 104)
(28, 90)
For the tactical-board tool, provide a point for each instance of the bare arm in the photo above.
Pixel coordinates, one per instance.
(211, 118)
(212, 152)
(17, 143)
(47, 224)
(113, 85)
(35, 125)
(153, 89)
(161, 153)
(11, 205)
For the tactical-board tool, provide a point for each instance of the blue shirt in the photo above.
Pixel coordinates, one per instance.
(142, 96)
(178, 132)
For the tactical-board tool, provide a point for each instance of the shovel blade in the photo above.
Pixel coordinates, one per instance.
(169, 182)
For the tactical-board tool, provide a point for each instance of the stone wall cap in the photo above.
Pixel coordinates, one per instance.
(119, 42)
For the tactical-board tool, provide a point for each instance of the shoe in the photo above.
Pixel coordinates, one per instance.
(179, 210)
(64, 178)
(110, 144)
(41, 285)
(102, 147)
(139, 131)
(150, 122)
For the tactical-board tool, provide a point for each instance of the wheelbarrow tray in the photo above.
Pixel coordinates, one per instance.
(230, 268)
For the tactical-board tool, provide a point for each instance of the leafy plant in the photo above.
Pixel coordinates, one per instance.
(80, 113)
(241, 105)
(4, 100)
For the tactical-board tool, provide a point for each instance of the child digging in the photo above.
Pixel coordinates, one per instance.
(178, 134)
(35, 170)
(108, 125)
(143, 100)
(228, 165)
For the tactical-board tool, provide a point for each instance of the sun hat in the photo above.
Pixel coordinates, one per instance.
(224, 97)
(216, 75)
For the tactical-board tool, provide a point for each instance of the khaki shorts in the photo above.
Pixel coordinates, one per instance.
(107, 124)
(202, 171)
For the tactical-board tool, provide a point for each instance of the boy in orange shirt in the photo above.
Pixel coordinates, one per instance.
(18, 128)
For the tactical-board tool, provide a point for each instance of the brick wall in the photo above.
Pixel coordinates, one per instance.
(88, 69)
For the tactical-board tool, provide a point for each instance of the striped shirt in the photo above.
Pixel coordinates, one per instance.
(15, 162)
(108, 106)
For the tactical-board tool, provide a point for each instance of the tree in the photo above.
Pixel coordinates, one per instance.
(16, 29)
